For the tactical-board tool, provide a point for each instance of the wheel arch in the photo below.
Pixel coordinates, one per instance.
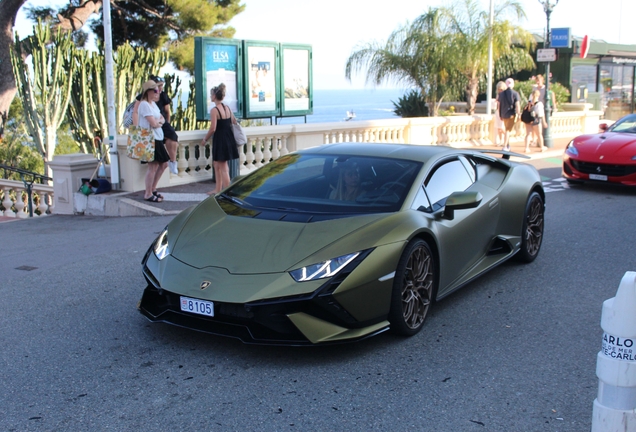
(432, 243)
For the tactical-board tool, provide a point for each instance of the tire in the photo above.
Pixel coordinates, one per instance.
(532, 231)
(414, 288)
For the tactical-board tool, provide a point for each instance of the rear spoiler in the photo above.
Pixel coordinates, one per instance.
(504, 154)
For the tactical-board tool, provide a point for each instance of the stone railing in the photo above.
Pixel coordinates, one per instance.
(14, 199)
(267, 143)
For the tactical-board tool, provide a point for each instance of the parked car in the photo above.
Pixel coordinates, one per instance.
(341, 242)
(608, 156)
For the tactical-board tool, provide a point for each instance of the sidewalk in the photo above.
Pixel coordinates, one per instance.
(179, 198)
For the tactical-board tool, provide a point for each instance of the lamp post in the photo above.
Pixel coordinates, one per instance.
(548, 6)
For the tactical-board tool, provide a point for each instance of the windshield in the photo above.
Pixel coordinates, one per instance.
(625, 125)
(326, 184)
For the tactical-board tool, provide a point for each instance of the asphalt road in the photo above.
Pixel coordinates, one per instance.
(513, 351)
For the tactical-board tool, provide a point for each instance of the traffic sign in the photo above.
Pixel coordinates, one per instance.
(546, 55)
(560, 38)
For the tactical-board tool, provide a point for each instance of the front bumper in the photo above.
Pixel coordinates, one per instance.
(300, 319)
(575, 169)
(264, 323)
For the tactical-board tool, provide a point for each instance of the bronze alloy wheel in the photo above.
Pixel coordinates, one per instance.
(413, 288)
(532, 234)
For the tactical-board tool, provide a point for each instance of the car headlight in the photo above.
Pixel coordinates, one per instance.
(162, 249)
(571, 149)
(324, 269)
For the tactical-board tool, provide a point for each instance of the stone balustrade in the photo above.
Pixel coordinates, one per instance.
(14, 199)
(267, 143)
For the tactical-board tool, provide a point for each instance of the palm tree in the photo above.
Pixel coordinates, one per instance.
(414, 54)
(469, 29)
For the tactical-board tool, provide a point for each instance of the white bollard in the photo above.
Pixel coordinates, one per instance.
(615, 405)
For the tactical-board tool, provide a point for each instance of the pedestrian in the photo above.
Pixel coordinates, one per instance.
(149, 117)
(539, 122)
(170, 135)
(499, 125)
(509, 110)
(540, 85)
(527, 118)
(223, 143)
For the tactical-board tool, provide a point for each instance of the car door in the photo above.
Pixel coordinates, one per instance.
(465, 239)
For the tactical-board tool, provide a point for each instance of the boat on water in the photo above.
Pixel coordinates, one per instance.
(350, 116)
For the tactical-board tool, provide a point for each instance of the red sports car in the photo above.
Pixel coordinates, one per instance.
(609, 156)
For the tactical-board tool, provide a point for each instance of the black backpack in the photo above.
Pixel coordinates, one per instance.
(527, 116)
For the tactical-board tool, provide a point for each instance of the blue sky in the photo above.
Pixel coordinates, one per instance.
(335, 27)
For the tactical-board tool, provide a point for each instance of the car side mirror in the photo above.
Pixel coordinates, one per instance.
(460, 201)
(603, 127)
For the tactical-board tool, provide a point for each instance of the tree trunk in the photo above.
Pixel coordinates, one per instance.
(78, 15)
(8, 11)
(472, 87)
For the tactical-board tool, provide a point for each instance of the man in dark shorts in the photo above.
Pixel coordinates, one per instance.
(509, 110)
(172, 140)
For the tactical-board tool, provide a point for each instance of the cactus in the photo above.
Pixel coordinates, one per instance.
(47, 91)
(87, 112)
(185, 118)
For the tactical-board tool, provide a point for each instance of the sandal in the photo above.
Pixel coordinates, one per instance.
(157, 194)
(154, 199)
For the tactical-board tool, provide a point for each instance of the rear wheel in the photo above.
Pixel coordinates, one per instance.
(532, 232)
(413, 288)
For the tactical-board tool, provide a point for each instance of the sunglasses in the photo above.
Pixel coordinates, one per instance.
(156, 90)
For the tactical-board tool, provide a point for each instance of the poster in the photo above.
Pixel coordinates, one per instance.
(261, 78)
(221, 65)
(296, 77)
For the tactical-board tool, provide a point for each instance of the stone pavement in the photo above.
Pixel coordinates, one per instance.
(178, 198)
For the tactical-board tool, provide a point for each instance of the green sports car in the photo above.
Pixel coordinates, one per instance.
(341, 242)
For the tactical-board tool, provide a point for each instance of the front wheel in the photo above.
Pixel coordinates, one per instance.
(532, 232)
(413, 288)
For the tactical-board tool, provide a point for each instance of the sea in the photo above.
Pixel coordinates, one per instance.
(333, 105)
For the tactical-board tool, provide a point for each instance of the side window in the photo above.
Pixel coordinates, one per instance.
(447, 178)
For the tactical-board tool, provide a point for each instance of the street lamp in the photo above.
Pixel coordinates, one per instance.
(548, 6)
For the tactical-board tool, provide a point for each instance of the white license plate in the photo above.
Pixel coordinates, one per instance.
(196, 306)
(598, 177)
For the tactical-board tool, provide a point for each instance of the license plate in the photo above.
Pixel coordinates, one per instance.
(598, 177)
(196, 306)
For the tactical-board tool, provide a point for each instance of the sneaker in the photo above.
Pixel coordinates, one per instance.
(173, 167)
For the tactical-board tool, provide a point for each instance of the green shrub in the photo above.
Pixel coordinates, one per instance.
(412, 104)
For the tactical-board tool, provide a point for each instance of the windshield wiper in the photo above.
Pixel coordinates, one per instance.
(233, 200)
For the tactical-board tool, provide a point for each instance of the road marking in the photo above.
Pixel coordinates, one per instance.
(556, 185)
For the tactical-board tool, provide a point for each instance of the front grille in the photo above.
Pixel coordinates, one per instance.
(604, 169)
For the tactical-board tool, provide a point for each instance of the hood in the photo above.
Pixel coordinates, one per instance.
(607, 147)
(245, 245)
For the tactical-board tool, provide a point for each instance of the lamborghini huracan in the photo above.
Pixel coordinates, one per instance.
(341, 242)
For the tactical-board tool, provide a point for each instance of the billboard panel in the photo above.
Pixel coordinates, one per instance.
(297, 94)
(261, 62)
(217, 61)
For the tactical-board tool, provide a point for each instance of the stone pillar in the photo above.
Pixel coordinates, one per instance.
(68, 171)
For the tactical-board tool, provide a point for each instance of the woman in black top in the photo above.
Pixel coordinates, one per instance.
(223, 143)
